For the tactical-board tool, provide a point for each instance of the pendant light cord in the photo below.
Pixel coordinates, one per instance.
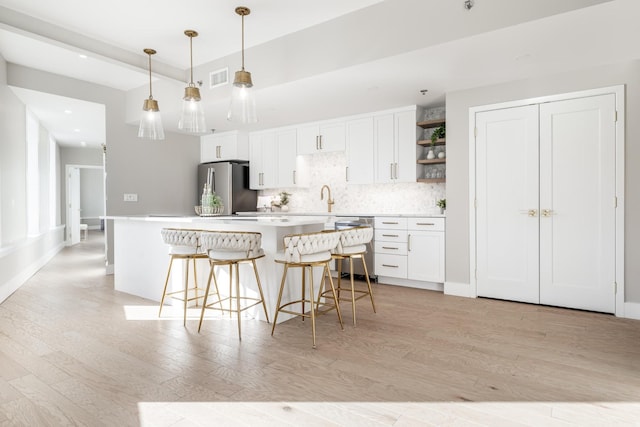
(150, 91)
(191, 59)
(242, 42)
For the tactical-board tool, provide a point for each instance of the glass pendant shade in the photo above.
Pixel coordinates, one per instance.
(192, 115)
(242, 108)
(151, 121)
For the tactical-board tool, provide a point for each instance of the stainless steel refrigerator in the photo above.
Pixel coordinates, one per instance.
(230, 181)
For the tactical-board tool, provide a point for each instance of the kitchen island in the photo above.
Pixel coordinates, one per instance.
(141, 257)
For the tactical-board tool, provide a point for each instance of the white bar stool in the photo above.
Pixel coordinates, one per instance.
(183, 245)
(353, 244)
(232, 248)
(306, 251)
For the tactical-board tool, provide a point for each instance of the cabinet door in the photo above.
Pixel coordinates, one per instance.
(332, 137)
(255, 161)
(308, 139)
(224, 146)
(263, 161)
(286, 142)
(384, 148)
(405, 146)
(360, 151)
(425, 256)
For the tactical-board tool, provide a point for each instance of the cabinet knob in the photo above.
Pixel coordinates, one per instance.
(547, 212)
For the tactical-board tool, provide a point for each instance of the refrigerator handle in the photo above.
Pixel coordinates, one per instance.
(212, 178)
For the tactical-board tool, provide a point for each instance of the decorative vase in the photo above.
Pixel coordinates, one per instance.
(431, 155)
(284, 208)
(441, 155)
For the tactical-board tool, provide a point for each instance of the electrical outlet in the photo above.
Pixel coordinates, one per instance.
(130, 197)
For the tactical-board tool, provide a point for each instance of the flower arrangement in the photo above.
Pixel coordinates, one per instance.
(282, 199)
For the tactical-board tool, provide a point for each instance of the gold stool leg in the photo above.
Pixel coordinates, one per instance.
(275, 317)
(166, 283)
(311, 299)
(264, 305)
(206, 296)
(366, 275)
(335, 296)
(195, 279)
(304, 288)
(238, 311)
(353, 291)
(186, 293)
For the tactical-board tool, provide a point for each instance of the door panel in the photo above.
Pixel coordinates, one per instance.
(507, 189)
(577, 178)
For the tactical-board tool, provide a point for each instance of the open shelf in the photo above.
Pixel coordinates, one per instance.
(432, 180)
(425, 142)
(431, 123)
(431, 161)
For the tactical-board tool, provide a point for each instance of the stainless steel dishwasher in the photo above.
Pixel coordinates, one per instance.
(349, 222)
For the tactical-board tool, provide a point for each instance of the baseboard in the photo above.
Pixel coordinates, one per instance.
(8, 288)
(632, 310)
(430, 286)
(458, 289)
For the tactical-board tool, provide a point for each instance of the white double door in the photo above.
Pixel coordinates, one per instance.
(545, 210)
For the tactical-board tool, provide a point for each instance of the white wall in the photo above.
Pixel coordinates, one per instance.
(161, 173)
(22, 255)
(77, 156)
(458, 104)
(91, 196)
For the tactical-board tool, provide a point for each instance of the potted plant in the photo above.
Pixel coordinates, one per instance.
(442, 204)
(439, 132)
(282, 201)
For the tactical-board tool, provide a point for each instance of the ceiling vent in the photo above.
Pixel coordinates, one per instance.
(218, 78)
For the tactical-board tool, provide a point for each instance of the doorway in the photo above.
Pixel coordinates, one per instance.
(85, 200)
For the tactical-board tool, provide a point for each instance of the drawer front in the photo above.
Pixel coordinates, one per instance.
(391, 223)
(391, 266)
(426, 223)
(397, 236)
(393, 248)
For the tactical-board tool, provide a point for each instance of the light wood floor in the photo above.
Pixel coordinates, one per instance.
(75, 352)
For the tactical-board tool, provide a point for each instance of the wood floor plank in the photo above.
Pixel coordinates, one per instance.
(74, 351)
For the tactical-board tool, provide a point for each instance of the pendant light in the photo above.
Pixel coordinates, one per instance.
(192, 117)
(151, 121)
(243, 105)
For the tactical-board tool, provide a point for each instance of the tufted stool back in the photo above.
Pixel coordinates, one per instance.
(310, 247)
(181, 241)
(229, 245)
(354, 240)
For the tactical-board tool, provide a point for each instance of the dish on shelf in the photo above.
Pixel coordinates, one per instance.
(209, 210)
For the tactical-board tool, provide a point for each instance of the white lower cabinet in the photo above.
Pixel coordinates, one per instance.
(425, 249)
(410, 251)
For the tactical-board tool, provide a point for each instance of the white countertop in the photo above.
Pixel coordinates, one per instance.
(345, 214)
(262, 219)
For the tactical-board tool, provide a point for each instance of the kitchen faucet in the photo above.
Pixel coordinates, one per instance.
(329, 199)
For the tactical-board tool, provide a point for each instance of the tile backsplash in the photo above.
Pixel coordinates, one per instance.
(329, 169)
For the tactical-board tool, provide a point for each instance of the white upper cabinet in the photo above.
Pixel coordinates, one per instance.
(360, 151)
(263, 161)
(224, 146)
(395, 145)
(287, 145)
(321, 137)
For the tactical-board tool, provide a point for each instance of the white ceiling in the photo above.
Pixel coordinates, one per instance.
(396, 48)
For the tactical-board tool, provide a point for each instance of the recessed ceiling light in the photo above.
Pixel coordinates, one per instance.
(76, 130)
(68, 111)
(82, 56)
(83, 143)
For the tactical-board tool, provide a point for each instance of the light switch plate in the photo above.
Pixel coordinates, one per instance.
(130, 197)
